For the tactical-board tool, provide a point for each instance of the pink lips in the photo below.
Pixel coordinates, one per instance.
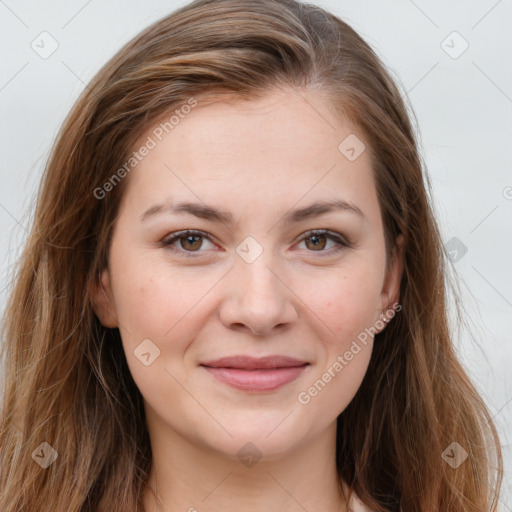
(256, 374)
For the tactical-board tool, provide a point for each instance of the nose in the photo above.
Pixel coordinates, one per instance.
(257, 298)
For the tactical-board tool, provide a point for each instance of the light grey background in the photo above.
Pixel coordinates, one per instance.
(462, 100)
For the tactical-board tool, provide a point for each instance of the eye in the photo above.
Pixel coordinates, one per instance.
(316, 240)
(190, 241)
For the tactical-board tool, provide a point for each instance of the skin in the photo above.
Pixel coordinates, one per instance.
(259, 160)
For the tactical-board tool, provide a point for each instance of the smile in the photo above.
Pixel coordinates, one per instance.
(252, 374)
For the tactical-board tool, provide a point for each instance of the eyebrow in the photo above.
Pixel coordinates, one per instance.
(213, 214)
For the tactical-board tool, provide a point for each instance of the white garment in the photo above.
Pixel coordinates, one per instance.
(356, 505)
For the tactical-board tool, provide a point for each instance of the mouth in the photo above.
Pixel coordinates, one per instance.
(256, 374)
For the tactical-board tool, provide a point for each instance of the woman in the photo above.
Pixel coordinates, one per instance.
(173, 340)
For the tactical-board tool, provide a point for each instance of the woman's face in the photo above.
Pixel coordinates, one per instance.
(251, 280)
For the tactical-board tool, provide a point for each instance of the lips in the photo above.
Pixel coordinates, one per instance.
(256, 374)
(253, 363)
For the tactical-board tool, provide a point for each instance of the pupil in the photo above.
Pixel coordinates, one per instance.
(190, 238)
(316, 240)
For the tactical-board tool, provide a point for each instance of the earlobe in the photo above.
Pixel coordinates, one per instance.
(103, 300)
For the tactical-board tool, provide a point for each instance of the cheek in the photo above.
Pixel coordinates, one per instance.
(165, 306)
(345, 301)
(151, 298)
(347, 307)
(154, 309)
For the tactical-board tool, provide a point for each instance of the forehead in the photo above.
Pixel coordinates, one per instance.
(278, 148)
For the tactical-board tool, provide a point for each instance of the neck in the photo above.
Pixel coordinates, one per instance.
(194, 478)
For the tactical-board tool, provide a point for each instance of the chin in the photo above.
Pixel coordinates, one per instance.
(268, 437)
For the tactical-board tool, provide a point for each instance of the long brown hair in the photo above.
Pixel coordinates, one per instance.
(66, 381)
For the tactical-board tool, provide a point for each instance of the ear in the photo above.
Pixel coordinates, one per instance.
(391, 288)
(103, 300)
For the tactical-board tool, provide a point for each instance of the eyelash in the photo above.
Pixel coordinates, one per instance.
(343, 243)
